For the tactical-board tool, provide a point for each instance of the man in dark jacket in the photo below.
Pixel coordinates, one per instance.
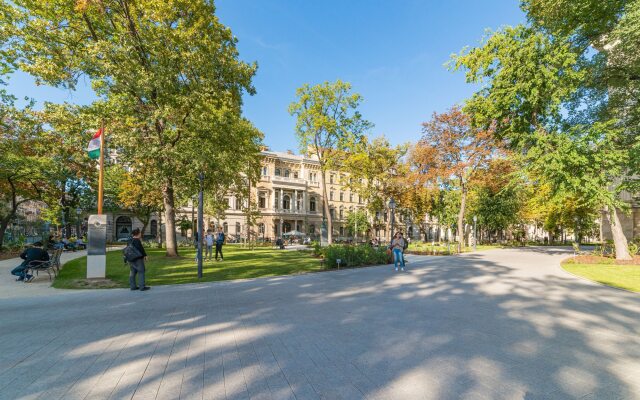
(35, 253)
(219, 243)
(137, 266)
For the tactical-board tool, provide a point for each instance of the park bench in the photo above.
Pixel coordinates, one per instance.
(53, 264)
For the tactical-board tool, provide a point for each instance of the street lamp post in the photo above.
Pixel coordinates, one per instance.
(392, 207)
(576, 228)
(475, 234)
(78, 212)
(200, 223)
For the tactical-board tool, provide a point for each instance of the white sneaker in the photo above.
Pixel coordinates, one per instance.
(402, 269)
(396, 269)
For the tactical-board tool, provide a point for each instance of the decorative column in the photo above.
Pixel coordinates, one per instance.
(304, 201)
(295, 204)
(281, 199)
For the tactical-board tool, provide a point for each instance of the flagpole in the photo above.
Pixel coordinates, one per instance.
(101, 174)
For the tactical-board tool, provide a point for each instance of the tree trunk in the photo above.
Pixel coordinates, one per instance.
(170, 219)
(619, 240)
(460, 230)
(325, 206)
(4, 223)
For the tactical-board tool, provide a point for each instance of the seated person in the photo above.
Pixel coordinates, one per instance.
(34, 253)
(80, 244)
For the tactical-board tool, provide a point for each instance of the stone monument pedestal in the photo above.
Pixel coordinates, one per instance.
(97, 246)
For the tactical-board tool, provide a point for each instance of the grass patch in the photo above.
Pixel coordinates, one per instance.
(425, 248)
(238, 263)
(620, 276)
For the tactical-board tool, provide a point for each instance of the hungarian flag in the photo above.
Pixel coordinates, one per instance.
(94, 145)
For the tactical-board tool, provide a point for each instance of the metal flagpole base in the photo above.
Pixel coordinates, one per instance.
(97, 246)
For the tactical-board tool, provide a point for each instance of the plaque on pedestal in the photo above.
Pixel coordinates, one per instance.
(97, 246)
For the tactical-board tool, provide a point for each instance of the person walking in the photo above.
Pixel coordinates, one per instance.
(209, 240)
(219, 242)
(137, 267)
(396, 247)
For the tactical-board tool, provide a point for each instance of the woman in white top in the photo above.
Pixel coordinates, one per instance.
(209, 240)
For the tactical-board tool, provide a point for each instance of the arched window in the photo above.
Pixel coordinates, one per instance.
(123, 227)
(341, 213)
(286, 173)
(261, 228)
(312, 204)
(154, 228)
(286, 202)
(225, 228)
(277, 171)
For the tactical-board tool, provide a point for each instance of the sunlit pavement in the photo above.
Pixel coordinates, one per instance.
(491, 325)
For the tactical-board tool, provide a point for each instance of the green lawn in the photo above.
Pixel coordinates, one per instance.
(621, 276)
(238, 263)
(420, 246)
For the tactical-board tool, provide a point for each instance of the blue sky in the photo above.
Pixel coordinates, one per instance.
(393, 53)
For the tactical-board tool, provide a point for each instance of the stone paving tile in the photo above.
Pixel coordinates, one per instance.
(506, 324)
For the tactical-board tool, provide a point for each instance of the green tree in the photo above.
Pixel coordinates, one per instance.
(328, 126)
(375, 171)
(167, 74)
(358, 222)
(540, 96)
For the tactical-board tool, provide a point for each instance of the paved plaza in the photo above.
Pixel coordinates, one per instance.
(500, 324)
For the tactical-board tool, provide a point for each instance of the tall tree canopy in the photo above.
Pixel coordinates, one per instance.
(549, 91)
(167, 74)
(328, 126)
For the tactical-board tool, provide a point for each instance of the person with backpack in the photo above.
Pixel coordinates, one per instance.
(135, 255)
(220, 238)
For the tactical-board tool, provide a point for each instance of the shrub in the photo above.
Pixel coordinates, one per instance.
(633, 249)
(354, 256)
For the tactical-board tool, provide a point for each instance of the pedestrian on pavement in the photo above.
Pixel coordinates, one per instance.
(35, 253)
(209, 240)
(396, 246)
(219, 242)
(137, 267)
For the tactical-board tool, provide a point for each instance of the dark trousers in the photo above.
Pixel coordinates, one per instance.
(219, 250)
(20, 271)
(136, 269)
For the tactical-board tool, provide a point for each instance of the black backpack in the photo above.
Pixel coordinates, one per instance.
(130, 253)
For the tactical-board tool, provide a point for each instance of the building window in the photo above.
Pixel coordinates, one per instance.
(295, 175)
(312, 229)
(264, 171)
(331, 195)
(351, 197)
(312, 204)
(341, 196)
(261, 228)
(277, 171)
(341, 213)
(331, 178)
(286, 202)
(154, 228)
(332, 212)
(225, 228)
(227, 202)
(359, 199)
(341, 231)
(238, 228)
(262, 201)
(286, 173)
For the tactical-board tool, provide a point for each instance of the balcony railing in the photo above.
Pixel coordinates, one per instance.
(288, 179)
(292, 211)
